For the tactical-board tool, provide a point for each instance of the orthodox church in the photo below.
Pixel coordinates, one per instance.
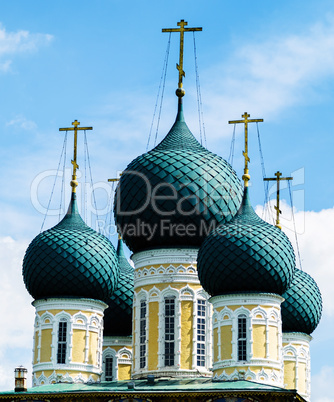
(213, 310)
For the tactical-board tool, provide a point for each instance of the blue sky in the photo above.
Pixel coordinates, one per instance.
(100, 62)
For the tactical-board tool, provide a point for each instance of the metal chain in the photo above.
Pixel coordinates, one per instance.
(231, 155)
(162, 82)
(294, 226)
(91, 177)
(54, 183)
(199, 98)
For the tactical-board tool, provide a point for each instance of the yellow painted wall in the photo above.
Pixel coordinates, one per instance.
(93, 343)
(186, 334)
(153, 322)
(79, 342)
(124, 372)
(215, 345)
(46, 345)
(302, 378)
(289, 374)
(259, 341)
(273, 343)
(226, 342)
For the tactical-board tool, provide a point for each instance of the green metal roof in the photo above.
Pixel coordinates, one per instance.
(301, 310)
(143, 389)
(70, 260)
(178, 184)
(118, 316)
(246, 254)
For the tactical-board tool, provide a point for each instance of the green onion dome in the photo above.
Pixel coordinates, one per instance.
(70, 260)
(301, 310)
(118, 316)
(246, 255)
(175, 194)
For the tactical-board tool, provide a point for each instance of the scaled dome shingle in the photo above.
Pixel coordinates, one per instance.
(246, 255)
(118, 316)
(301, 310)
(175, 194)
(70, 260)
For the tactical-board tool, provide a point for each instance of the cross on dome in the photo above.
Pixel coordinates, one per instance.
(246, 176)
(180, 91)
(75, 123)
(278, 178)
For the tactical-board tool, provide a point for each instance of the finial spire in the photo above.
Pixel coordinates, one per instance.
(180, 91)
(246, 120)
(76, 123)
(278, 178)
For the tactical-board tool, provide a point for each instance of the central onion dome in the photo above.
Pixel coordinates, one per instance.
(118, 316)
(174, 195)
(301, 310)
(70, 260)
(246, 255)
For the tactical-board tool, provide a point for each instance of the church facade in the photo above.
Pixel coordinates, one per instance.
(214, 308)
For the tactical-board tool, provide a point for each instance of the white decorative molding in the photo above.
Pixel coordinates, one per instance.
(270, 377)
(186, 293)
(297, 349)
(184, 256)
(297, 337)
(61, 378)
(245, 299)
(66, 304)
(170, 274)
(171, 372)
(258, 309)
(117, 341)
(87, 316)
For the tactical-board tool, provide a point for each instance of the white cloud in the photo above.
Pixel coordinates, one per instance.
(16, 311)
(322, 385)
(23, 123)
(315, 240)
(267, 76)
(19, 42)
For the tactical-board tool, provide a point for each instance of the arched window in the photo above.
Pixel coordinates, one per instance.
(142, 334)
(62, 341)
(109, 368)
(242, 337)
(201, 329)
(169, 331)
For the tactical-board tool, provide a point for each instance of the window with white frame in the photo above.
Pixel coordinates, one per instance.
(169, 331)
(242, 337)
(142, 334)
(109, 368)
(62, 341)
(201, 329)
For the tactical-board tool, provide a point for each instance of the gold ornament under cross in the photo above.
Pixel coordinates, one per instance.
(76, 123)
(180, 92)
(278, 178)
(246, 120)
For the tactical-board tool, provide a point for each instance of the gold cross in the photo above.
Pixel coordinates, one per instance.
(278, 178)
(246, 175)
(76, 123)
(180, 92)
